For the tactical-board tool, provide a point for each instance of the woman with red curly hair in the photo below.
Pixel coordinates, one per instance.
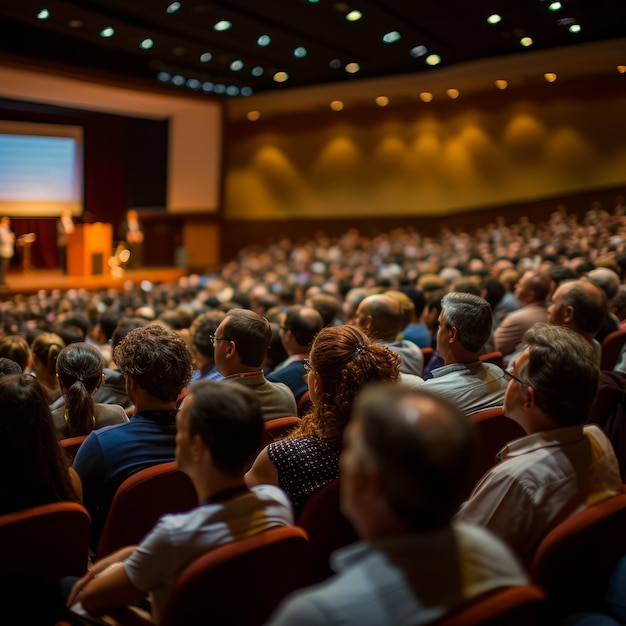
(342, 360)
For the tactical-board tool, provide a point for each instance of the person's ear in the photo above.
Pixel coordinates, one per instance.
(568, 314)
(453, 334)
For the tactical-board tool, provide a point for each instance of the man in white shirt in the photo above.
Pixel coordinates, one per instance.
(561, 467)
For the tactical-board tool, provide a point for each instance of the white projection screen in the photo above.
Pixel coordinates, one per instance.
(41, 169)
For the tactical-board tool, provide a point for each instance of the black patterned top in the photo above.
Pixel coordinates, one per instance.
(304, 464)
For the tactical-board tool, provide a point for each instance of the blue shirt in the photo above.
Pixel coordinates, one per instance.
(110, 455)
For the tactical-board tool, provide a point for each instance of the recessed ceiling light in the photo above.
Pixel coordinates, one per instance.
(146, 44)
(178, 80)
(336, 105)
(75, 23)
(555, 6)
(526, 41)
(354, 16)
(107, 32)
(232, 90)
(382, 101)
(494, 19)
(257, 71)
(205, 57)
(219, 88)
(621, 69)
(418, 51)
(280, 77)
(575, 28)
(550, 76)
(426, 96)
(264, 40)
(222, 25)
(352, 68)
(452, 93)
(44, 14)
(391, 36)
(335, 64)
(194, 83)
(433, 59)
(236, 65)
(501, 83)
(253, 116)
(299, 52)
(172, 8)
(208, 86)
(246, 91)
(164, 77)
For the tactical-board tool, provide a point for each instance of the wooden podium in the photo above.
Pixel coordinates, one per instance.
(89, 248)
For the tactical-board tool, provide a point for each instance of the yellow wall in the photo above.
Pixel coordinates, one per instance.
(429, 160)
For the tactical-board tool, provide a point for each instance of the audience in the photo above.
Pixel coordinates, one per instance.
(220, 429)
(298, 327)
(341, 361)
(33, 464)
(80, 372)
(532, 291)
(380, 316)
(561, 467)
(17, 349)
(45, 350)
(406, 453)
(201, 329)
(464, 327)
(156, 365)
(240, 343)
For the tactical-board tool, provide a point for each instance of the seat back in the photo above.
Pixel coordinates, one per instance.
(575, 559)
(304, 404)
(274, 429)
(71, 445)
(509, 606)
(493, 432)
(327, 528)
(140, 501)
(240, 583)
(612, 346)
(40, 545)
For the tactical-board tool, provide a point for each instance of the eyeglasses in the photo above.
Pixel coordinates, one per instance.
(307, 365)
(215, 338)
(508, 375)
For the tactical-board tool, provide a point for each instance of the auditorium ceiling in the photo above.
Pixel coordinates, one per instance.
(237, 48)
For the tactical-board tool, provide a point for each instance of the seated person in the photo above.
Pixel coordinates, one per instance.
(464, 327)
(240, 343)
(156, 364)
(79, 370)
(202, 349)
(298, 327)
(342, 360)
(406, 454)
(220, 428)
(561, 467)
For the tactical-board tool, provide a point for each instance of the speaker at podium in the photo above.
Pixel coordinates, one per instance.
(89, 248)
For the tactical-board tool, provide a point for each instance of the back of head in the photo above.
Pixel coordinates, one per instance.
(422, 446)
(157, 358)
(471, 316)
(29, 450)
(304, 323)
(251, 333)
(606, 279)
(563, 371)
(9, 366)
(124, 326)
(202, 327)
(589, 303)
(407, 307)
(345, 359)
(229, 420)
(17, 349)
(46, 348)
(79, 368)
(539, 283)
(328, 306)
(386, 314)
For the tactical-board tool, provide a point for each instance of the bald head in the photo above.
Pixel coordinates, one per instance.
(579, 305)
(381, 316)
(299, 327)
(421, 446)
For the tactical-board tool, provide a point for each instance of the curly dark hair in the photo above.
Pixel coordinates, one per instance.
(157, 358)
(204, 325)
(346, 360)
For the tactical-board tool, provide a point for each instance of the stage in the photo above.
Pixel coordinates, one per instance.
(26, 282)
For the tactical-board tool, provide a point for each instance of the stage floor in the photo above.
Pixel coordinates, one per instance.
(31, 281)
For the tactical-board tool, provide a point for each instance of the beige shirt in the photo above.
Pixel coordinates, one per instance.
(543, 479)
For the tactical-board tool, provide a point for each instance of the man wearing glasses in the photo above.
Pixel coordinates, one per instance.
(562, 466)
(240, 344)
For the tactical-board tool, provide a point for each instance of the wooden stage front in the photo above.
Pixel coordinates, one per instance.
(28, 282)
